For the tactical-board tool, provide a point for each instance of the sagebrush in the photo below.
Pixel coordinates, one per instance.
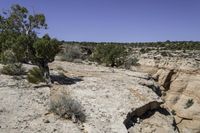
(8, 57)
(131, 62)
(67, 107)
(71, 53)
(14, 69)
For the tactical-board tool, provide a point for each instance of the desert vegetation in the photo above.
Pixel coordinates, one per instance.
(147, 46)
(35, 76)
(19, 37)
(189, 103)
(67, 107)
(71, 53)
(11, 66)
(18, 34)
(118, 54)
(111, 55)
(14, 69)
(96, 74)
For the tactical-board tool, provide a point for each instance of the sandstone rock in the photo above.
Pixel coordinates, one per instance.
(24, 109)
(183, 87)
(179, 79)
(178, 62)
(164, 77)
(108, 95)
(156, 124)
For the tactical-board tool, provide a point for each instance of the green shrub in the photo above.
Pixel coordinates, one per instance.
(145, 50)
(35, 76)
(19, 47)
(111, 55)
(189, 103)
(71, 53)
(164, 53)
(131, 62)
(173, 112)
(67, 108)
(142, 50)
(8, 57)
(13, 69)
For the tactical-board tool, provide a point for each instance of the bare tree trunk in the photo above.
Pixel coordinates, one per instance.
(45, 71)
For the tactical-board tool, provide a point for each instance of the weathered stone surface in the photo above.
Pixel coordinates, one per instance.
(108, 95)
(179, 80)
(183, 88)
(24, 109)
(158, 123)
(178, 63)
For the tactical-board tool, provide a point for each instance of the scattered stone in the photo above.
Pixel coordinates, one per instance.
(46, 121)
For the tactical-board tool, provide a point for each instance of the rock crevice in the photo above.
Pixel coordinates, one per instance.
(178, 89)
(148, 117)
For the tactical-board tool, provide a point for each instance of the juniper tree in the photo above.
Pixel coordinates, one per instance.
(18, 32)
(45, 49)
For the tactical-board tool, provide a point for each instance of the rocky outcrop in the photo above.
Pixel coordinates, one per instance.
(107, 95)
(182, 97)
(134, 116)
(151, 84)
(176, 61)
(178, 75)
(163, 76)
(151, 118)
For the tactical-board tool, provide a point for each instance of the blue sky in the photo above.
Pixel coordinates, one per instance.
(118, 20)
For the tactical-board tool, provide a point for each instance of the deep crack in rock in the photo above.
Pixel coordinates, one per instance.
(145, 112)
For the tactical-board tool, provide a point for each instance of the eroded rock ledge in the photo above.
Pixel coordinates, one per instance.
(179, 80)
(181, 95)
(147, 119)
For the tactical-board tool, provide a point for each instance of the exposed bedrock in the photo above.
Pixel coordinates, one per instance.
(114, 101)
(181, 91)
(179, 81)
(113, 104)
(150, 118)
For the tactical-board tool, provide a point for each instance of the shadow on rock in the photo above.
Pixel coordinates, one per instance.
(41, 85)
(64, 80)
(145, 112)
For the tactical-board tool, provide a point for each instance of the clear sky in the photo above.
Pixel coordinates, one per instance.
(118, 20)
